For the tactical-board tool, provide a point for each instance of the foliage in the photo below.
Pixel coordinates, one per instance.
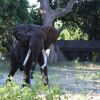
(2, 49)
(84, 19)
(85, 16)
(35, 17)
(75, 34)
(90, 12)
(12, 13)
(12, 91)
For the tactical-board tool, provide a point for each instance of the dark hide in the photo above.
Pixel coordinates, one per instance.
(50, 32)
(36, 38)
(17, 56)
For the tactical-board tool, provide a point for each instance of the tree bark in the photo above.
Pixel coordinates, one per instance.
(49, 15)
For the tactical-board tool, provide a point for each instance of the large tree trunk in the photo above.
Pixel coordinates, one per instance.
(49, 15)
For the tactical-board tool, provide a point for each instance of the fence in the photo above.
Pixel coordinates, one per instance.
(79, 49)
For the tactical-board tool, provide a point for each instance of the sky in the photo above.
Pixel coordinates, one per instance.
(32, 2)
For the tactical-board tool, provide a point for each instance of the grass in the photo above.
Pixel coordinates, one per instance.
(14, 91)
(77, 65)
(89, 76)
(4, 66)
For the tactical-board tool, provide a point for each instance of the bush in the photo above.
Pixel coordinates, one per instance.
(73, 34)
(13, 91)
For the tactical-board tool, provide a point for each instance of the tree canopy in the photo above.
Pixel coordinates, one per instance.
(81, 23)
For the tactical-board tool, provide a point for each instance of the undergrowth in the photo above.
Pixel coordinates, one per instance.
(13, 91)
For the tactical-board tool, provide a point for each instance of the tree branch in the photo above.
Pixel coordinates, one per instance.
(44, 6)
(49, 15)
(63, 11)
